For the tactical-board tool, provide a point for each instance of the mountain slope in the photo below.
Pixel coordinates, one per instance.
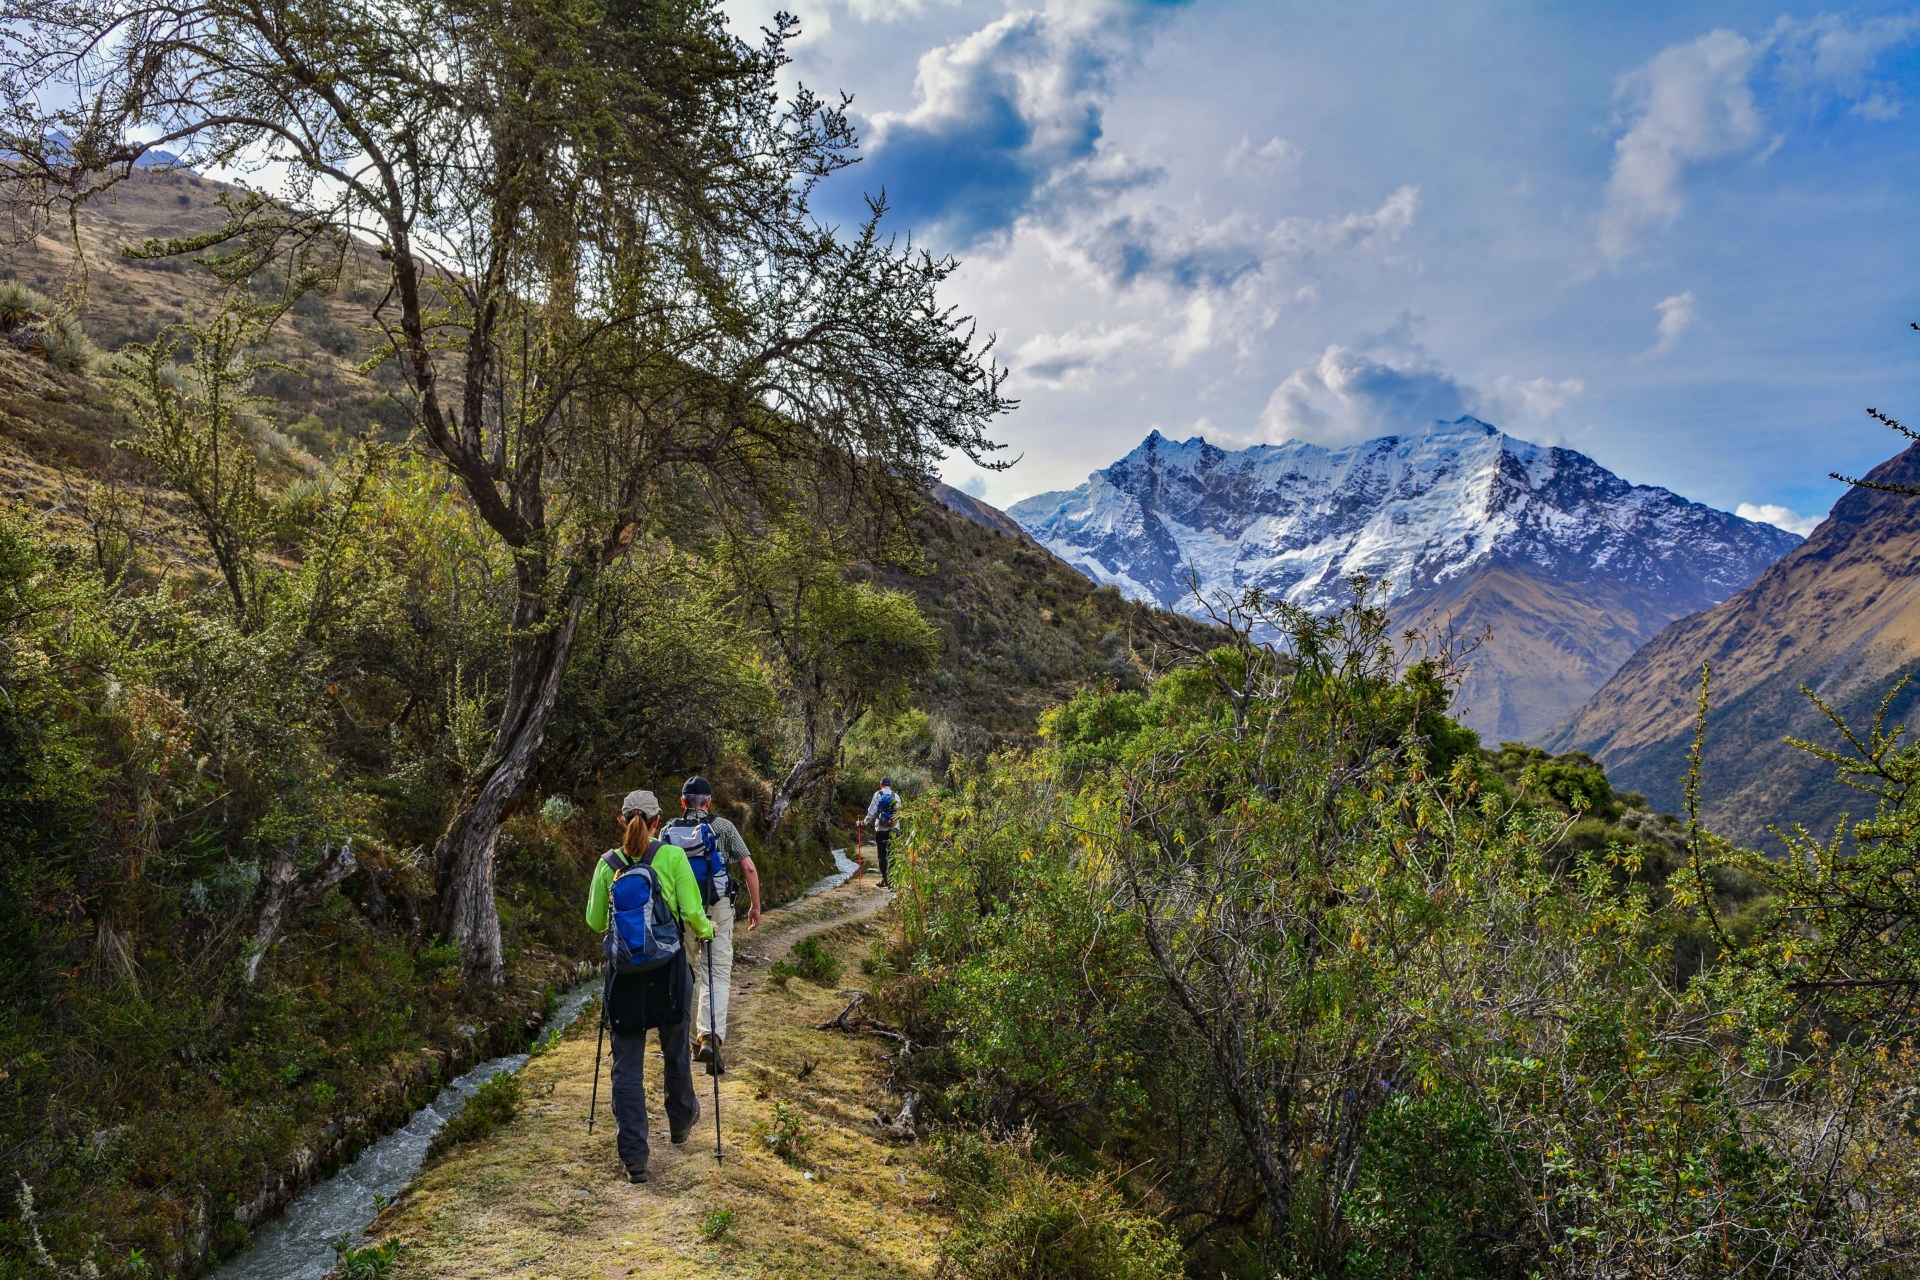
(1840, 615)
(1569, 566)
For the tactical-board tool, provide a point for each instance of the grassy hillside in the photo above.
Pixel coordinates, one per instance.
(1021, 629)
(1840, 616)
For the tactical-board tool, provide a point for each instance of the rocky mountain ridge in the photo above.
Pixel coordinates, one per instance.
(1570, 567)
(1839, 617)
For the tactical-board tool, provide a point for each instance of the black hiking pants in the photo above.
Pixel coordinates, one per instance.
(630, 1062)
(882, 843)
(630, 1090)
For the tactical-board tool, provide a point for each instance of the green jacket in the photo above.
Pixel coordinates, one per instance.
(677, 885)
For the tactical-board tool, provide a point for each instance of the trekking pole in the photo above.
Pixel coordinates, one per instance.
(713, 1023)
(598, 1040)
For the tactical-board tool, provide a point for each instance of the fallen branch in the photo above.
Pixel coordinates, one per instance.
(863, 1025)
(901, 1129)
(840, 1023)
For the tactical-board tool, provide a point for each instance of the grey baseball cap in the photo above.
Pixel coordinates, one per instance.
(640, 802)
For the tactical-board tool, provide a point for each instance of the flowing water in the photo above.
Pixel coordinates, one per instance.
(846, 867)
(298, 1245)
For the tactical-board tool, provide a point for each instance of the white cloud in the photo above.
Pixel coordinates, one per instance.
(1677, 314)
(1071, 360)
(1272, 155)
(1780, 517)
(1347, 395)
(1009, 119)
(1511, 400)
(975, 484)
(1690, 103)
(1696, 102)
(889, 10)
(1829, 55)
(1876, 106)
(1387, 223)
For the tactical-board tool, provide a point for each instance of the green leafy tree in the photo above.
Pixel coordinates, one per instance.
(602, 274)
(839, 648)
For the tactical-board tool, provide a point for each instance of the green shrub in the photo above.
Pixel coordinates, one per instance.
(787, 1134)
(492, 1105)
(1022, 1218)
(878, 965)
(369, 1262)
(780, 973)
(1435, 1198)
(715, 1224)
(815, 963)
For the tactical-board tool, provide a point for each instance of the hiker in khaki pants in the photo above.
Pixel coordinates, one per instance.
(712, 844)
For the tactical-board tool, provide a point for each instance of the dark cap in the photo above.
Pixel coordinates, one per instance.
(696, 786)
(886, 782)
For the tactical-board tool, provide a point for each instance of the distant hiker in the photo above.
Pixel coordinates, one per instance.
(711, 843)
(655, 908)
(883, 814)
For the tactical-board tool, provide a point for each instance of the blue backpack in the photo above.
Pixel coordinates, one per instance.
(704, 855)
(642, 934)
(883, 815)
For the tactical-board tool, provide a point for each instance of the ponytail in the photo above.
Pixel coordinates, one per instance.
(636, 838)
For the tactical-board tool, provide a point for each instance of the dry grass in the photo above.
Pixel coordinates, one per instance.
(540, 1198)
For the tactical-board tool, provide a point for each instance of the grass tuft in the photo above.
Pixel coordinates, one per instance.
(1018, 1215)
(715, 1224)
(492, 1105)
(815, 963)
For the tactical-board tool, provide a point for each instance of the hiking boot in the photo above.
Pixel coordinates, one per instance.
(636, 1175)
(716, 1065)
(679, 1138)
(703, 1049)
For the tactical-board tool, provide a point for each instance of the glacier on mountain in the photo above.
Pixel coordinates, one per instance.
(1410, 511)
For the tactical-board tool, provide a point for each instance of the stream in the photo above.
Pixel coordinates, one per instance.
(298, 1245)
(845, 868)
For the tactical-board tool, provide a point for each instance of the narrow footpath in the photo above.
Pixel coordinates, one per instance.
(540, 1198)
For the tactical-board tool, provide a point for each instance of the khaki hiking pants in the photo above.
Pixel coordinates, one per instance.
(710, 1017)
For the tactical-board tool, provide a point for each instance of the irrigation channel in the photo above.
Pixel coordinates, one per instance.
(299, 1245)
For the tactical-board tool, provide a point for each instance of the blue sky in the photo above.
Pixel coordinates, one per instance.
(1679, 238)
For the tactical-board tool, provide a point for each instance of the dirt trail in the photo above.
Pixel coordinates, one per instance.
(541, 1198)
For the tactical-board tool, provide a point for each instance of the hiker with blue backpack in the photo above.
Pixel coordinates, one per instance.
(647, 903)
(883, 814)
(712, 844)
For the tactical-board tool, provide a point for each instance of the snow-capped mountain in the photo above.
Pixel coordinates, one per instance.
(1542, 544)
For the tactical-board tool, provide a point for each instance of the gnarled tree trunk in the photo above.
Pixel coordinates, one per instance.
(464, 859)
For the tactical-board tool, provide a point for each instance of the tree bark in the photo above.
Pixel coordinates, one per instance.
(464, 859)
(286, 894)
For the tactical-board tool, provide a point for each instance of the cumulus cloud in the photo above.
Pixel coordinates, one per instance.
(975, 484)
(999, 114)
(1245, 156)
(1780, 517)
(1176, 284)
(1694, 103)
(1677, 314)
(1690, 103)
(1347, 395)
